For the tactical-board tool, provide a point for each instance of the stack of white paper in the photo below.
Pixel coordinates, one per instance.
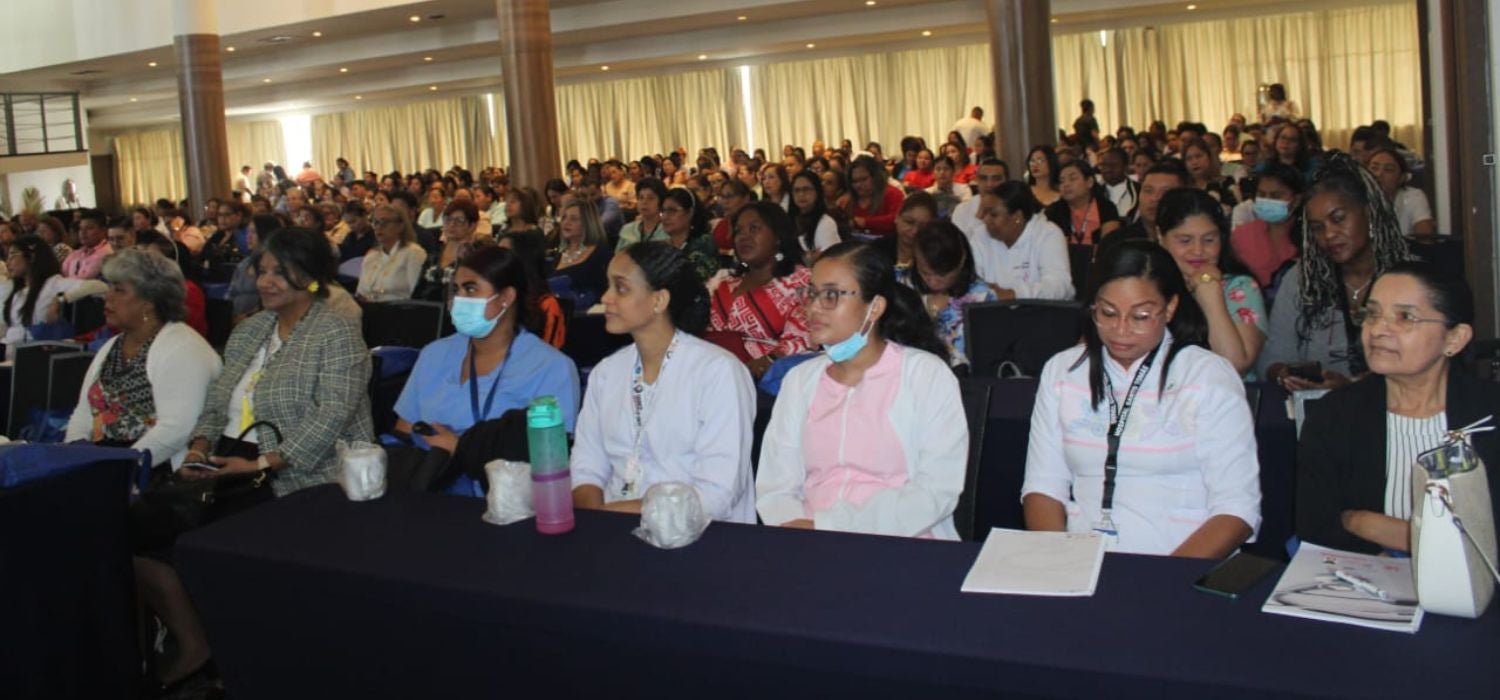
(1354, 589)
(1037, 563)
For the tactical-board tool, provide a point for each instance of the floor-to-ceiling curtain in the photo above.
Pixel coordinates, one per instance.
(436, 134)
(256, 143)
(871, 97)
(636, 116)
(150, 165)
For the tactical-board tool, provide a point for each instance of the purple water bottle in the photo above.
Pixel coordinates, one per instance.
(551, 482)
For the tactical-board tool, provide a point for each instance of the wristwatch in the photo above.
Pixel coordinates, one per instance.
(1203, 278)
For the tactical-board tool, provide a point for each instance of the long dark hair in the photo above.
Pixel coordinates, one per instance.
(304, 257)
(806, 222)
(905, 320)
(1146, 260)
(666, 267)
(780, 224)
(1052, 167)
(1183, 202)
(505, 268)
(41, 265)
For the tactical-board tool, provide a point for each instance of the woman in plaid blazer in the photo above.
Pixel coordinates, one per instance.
(296, 365)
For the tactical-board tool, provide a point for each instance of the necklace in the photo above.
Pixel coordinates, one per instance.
(569, 257)
(1355, 292)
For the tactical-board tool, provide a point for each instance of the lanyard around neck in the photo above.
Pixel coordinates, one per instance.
(1118, 415)
(489, 399)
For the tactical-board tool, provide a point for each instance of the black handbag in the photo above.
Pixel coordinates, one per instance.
(174, 505)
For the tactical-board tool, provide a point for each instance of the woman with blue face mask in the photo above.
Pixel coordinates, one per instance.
(1266, 243)
(869, 436)
(492, 364)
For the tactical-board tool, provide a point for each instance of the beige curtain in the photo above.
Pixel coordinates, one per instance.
(637, 116)
(1344, 67)
(437, 134)
(256, 143)
(150, 165)
(872, 97)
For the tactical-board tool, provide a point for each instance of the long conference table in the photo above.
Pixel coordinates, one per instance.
(413, 596)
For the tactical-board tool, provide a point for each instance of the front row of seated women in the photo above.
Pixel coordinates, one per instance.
(1141, 432)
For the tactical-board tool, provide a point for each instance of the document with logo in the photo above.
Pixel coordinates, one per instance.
(1355, 589)
(1019, 562)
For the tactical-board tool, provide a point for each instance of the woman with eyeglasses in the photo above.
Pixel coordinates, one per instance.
(1193, 229)
(874, 202)
(756, 313)
(460, 220)
(1360, 442)
(1141, 434)
(650, 193)
(393, 267)
(1350, 236)
(668, 407)
(870, 436)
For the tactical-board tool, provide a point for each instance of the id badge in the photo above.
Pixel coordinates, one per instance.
(1106, 529)
(632, 475)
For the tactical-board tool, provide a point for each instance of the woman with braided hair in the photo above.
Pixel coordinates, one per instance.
(1350, 236)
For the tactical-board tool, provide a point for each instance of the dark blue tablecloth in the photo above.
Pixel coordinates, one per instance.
(67, 593)
(414, 596)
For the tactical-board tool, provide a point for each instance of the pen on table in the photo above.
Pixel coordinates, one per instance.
(1361, 584)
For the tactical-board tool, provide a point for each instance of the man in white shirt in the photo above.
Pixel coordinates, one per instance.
(1021, 254)
(242, 186)
(991, 173)
(1123, 192)
(971, 128)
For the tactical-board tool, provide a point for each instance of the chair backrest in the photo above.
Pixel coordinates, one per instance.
(408, 323)
(1025, 333)
(65, 379)
(30, 378)
(976, 400)
(1080, 258)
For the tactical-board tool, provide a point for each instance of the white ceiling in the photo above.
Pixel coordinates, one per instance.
(382, 56)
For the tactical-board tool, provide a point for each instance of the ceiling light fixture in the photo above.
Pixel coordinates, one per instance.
(927, 32)
(317, 34)
(152, 64)
(266, 80)
(741, 18)
(1054, 20)
(132, 99)
(414, 18)
(230, 49)
(603, 67)
(433, 88)
(1192, 7)
(343, 70)
(703, 57)
(427, 58)
(359, 97)
(869, 3)
(810, 46)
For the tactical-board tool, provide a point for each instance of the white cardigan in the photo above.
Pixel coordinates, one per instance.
(180, 365)
(928, 416)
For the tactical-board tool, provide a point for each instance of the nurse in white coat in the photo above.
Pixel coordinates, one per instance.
(869, 436)
(668, 407)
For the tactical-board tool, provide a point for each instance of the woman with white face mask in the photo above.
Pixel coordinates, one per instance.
(871, 435)
(492, 364)
(1267, 242)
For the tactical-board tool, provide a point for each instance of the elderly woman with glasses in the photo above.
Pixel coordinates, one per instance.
(145, 387)
(1141, 434)
(1359, 443)
(394, 266)
(460, 220)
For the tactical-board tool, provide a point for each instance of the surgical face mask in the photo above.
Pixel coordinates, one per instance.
(468, 316)
(846, 349)
(1272, 211)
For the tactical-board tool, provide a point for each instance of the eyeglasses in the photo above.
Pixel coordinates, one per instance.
(1404, 321)
(455, 220)
(674, 211)
(384, 222)
(1137, 322)
(826, 298)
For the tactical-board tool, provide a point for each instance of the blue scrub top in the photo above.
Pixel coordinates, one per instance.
(434, 394)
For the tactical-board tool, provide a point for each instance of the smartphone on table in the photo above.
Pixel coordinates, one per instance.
(1236, 575)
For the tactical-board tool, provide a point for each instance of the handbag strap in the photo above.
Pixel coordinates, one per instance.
(1438, 490)
(257, 424)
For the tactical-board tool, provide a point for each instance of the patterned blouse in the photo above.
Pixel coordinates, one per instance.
(1246, 305)
(121, 398)
(950, 319)
(769, 318)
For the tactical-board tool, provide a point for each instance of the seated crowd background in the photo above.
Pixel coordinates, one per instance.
(834, 282)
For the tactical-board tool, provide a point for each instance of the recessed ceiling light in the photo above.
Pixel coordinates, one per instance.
(132, 99)
(427, 58)
(927, 32)
(869, 3)
(317, 33)
(812, 46)
(152, 64)
(266, 80)
(415, 18)
(1054, 20)
(603, 67)
(359, 97)
(1192, 7)
(230, 49)
(703, 57)
(343, 70)
(433, 88)
(741, 18)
